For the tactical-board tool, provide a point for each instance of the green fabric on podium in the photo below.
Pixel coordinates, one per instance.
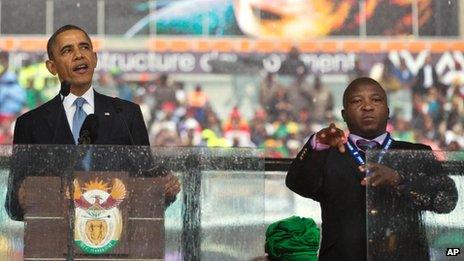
(292, 239)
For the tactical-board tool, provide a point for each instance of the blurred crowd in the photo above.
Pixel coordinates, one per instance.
(427, 108)
(423, 108)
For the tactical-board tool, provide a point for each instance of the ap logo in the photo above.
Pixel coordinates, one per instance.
(452, 251)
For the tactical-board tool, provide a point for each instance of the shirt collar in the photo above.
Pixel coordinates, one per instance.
(88, 96)
(379, 139)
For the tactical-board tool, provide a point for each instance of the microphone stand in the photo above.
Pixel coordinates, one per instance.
(64, 91)
(84, 139)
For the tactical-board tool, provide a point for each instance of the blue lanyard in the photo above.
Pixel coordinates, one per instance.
(357, 156)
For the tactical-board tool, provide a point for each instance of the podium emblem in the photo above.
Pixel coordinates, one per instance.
(98, 221)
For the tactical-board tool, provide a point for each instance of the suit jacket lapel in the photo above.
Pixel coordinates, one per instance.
(104, 110)
(352, 163)
(63, 133)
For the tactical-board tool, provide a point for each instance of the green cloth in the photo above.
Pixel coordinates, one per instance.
(293, 239)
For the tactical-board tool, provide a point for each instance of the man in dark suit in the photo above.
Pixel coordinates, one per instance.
(427, 78)
(72, 58)
(331, 169)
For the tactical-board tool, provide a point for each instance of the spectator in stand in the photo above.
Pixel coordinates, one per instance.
(164, 92)
(388, 77)
(259, 134)
(258, 127)
(403, 74)
(418, 111)
(434, 105)
(279, 102)
(124, 90)
(197, 101)
(293, 140)
(292, 65)
(181, 95)
(281, 125)
(275, 148)
(299, 93)
(6, 131)
(166, 138)
(139, 96)
(426, 78)
(430, 130)
(213, 123)
(455, 113)
(12, 95)
(44, 85)
(190, 130)
(149, 87)
(237, 131)
(456, 90)
(268, 89)
(166, 122)
(33, 97)
(402, 130)
(357, 71)
(400, 99)
(106, 85)
(322, 102)
(454, 146)
(305, 124)
(210, 139)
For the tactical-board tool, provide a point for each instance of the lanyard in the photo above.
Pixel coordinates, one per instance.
(357, 156)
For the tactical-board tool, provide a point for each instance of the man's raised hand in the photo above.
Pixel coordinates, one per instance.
(333, 137)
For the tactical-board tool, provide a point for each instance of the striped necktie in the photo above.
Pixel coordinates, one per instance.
(367, 144)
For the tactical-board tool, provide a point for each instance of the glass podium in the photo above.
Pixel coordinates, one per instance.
(422, 218)
(100, 202)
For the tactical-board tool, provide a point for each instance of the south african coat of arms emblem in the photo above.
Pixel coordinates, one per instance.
(98, 221)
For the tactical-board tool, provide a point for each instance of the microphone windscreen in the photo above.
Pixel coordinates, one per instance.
(90, 125)
(65, 88)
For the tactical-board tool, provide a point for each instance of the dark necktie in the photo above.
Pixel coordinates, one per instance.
(367, 144)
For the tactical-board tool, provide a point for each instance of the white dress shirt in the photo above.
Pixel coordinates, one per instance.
(70, 107)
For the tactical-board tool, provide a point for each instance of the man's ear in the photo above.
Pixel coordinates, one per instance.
(51, 66)
(343, 115)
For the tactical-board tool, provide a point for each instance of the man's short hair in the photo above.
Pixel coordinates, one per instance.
(357, 82)
(60, 30)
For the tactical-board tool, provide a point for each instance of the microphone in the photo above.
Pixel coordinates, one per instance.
(89, 130)
(65, 88)
(118, 108)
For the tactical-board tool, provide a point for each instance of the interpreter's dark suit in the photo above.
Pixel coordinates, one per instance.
(333, 179)
(38, 127)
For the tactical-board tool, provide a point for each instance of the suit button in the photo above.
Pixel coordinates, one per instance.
(374, 212)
